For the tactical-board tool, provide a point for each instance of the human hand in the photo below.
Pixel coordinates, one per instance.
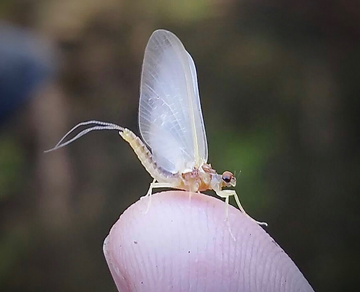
(188, 245)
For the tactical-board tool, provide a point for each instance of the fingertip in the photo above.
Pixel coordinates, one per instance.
(188, 245)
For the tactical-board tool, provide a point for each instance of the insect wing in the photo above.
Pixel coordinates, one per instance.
(170, 117)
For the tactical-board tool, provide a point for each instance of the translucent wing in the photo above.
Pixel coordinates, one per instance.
(170, 117)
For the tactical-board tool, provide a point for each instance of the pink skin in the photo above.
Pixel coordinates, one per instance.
(185, 245)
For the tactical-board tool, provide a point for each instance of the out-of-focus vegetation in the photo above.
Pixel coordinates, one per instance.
(280, 95)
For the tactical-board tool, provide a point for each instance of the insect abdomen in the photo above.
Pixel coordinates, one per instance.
(146, 158)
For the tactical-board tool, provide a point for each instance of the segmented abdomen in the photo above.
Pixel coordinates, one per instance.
(147, 161)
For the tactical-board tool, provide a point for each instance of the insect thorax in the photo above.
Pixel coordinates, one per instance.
(199, 179)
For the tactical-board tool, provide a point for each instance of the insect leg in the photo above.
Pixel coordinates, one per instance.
(227, 193)
(227, 207)
(152, 186)
(226, 196)
(157, 185)
(149, 192)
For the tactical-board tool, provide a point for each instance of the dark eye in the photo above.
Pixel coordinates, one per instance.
(226, 179)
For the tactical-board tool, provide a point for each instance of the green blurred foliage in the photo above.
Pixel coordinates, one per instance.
(11, 164)
(279, 90)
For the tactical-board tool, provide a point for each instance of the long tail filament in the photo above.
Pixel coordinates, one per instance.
(99, 126)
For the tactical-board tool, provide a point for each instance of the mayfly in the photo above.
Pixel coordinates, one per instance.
(171, 123)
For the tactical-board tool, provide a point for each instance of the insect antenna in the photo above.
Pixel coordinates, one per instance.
(237, 176)
(99, 126)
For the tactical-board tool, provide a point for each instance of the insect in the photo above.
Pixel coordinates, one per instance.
(171, 123)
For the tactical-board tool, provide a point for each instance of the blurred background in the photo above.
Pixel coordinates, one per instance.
(280, 95)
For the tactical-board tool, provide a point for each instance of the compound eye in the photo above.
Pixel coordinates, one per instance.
(226, 177)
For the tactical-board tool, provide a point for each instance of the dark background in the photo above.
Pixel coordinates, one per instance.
(279, 86)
